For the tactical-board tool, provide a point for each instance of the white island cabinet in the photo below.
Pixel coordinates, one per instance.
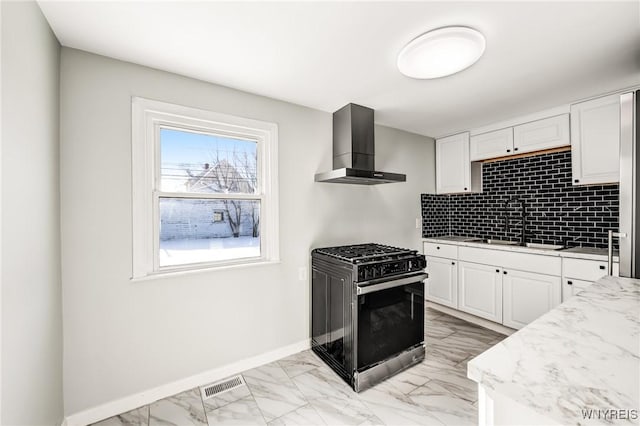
(574, 359)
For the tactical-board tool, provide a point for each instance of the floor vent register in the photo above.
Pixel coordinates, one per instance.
(222, 386)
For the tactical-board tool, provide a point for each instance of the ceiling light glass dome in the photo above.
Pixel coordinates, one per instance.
(441, 52)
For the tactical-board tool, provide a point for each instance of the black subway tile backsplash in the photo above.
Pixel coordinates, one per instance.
(557, 211)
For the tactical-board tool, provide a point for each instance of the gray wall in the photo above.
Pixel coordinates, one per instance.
(124, 337)
(31, 299)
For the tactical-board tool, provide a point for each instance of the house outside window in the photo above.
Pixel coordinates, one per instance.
(204, 189)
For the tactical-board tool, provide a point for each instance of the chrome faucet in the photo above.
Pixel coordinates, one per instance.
(522, 217)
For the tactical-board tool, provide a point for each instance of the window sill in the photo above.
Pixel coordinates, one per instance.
(201, 269)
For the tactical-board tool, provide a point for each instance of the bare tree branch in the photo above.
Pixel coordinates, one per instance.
(239, 175)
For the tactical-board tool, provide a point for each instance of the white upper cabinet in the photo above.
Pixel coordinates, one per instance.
(453, 167)
(498, 143)
(595, 140)
(552, 132)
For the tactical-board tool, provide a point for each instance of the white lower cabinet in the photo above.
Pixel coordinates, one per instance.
(480, 290)
(442, 285)
(527, 296)
(571, 287)
(513, 293)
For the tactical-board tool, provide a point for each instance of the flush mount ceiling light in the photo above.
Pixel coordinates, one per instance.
(441, 52)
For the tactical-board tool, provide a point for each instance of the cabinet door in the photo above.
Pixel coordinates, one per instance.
(480, 290)
(492, 144)
(453, 168)
(442, 285)
(548, 133)
(595, 140)
(571, 287)
(527, 296)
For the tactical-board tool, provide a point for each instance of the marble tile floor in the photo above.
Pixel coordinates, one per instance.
(302, 390)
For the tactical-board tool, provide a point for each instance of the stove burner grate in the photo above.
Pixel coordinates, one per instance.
(359, 252)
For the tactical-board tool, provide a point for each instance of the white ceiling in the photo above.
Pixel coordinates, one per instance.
(326, 54)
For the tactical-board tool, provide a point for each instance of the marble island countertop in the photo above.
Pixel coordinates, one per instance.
(584, 354)
(574, 252)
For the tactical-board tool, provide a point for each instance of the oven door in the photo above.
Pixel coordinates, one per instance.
(390, 318)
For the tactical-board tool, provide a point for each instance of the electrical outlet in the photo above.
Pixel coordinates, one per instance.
(418, 222)
(302, 273)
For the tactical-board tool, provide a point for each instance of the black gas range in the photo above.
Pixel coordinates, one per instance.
(367, 314)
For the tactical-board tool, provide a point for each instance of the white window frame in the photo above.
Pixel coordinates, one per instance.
(148, 117)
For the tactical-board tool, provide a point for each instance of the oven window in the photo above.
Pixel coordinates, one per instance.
(389, 322)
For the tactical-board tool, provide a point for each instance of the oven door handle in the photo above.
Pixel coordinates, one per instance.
(365, 289)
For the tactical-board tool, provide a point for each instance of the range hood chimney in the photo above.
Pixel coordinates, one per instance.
(354, 150)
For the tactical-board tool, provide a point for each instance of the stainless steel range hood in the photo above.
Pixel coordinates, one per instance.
(354, 150)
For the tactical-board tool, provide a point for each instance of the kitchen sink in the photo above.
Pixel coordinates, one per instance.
(528, 245)
(544, 246)
(501, 242)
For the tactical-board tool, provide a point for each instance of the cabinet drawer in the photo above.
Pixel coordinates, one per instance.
(441, 250)
(551, 265)
(586, 270)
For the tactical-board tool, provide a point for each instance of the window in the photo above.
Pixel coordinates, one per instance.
(218, 217)
(204, 189)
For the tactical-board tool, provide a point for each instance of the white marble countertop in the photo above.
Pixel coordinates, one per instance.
(574, 252)
(584, 354)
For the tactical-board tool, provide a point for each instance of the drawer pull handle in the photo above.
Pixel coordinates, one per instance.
(438, 248)
(498, 270)
(504, 272)
(570, 282)
(601, 266)
(453, 263)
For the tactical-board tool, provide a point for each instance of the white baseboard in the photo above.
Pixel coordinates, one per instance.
(131, 402)
(471, 318)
